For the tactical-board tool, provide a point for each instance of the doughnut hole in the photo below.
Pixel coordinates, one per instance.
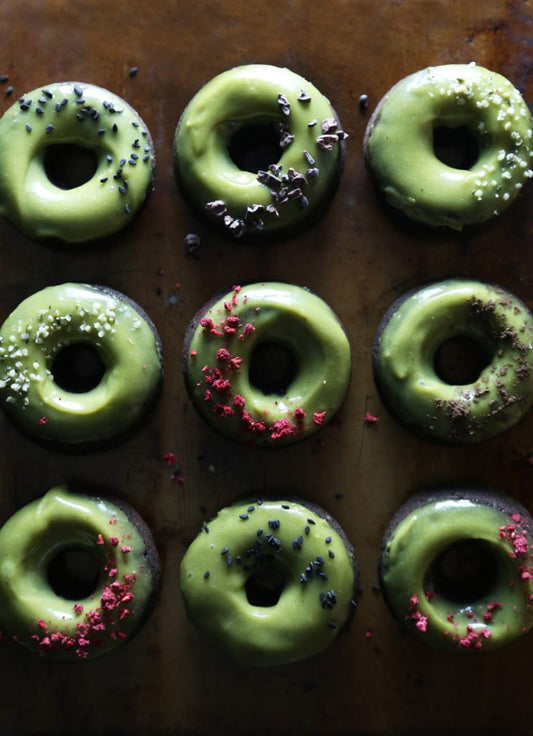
(78, 368)
(69, 165)
(465, 572)
(254, 147)
(456, 147)
(73, 573)
(273, 367)
(460, 360)
(266, 583)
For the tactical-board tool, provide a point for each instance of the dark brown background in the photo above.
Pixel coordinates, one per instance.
(358, 258)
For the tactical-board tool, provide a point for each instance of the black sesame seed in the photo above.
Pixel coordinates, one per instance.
(109, 158)
(332, 624)
(206, 574)
(25, 106)
(127, 209)
(134, 156)
(224, 550)
(310, 521)
(122, 190)
(28, 127)
(4, 78)
(133, 71)
(135, 123)
(328, 540)
(307, 529)
(250, 509)
(285, 506)
(9, 91)
(100, 131)
(274, 524)
(78, 90)
(42, 100)
(146, 158)
(244, 516)
(49, 128)
(132, 163)
(136, 143)
(47, 93)
(331, 553)
(363, 102)
(229, 560)
(104, 179)
(122, 162)
(259, 532)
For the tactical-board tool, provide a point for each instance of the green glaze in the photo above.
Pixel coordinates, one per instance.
(407, 571)
(418, 325)
(399, 145)
(63, 315)
(73, 113)
(299, 625)
(30, 610)
(277, 313)
(248, 96)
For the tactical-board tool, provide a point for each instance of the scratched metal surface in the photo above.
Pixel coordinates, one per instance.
(359, 258)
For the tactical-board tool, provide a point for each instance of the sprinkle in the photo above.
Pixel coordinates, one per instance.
(43, 420)
(370, 418)
(284, 104)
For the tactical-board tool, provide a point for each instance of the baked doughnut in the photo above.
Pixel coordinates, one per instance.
(259, 150)
(78, 575)
(270, 582)
(267, 364)
(492, 128)
(477, 407)
(79, 366)
(76, 163)
(456, 568)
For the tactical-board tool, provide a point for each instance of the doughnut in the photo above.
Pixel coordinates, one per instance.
(450, 145)
(76, 163)
(79, 366)
(270, 582)
(259, 150)
(463, 409)
(78, 575)
(456, 570)
(266, 364)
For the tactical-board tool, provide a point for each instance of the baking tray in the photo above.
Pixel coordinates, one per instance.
(359, 257)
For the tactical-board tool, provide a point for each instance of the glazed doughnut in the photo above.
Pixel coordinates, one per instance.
(43, 132)
(463, 100)
(296, 131)
(407, 342)
(455, 569)
(78, 575)
(79, 366)
(267, 364)
(270, 582)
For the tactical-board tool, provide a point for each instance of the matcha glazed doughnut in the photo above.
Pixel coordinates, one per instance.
(43, 132)
(273, 110)
(46, 345)
(407, 343)
(270, 581)
(489, 113)
(267, 364)
(456, 568)
(78, 575)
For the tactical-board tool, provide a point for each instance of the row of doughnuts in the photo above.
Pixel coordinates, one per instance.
(262, 107)
(268, 581)
(266, 364)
